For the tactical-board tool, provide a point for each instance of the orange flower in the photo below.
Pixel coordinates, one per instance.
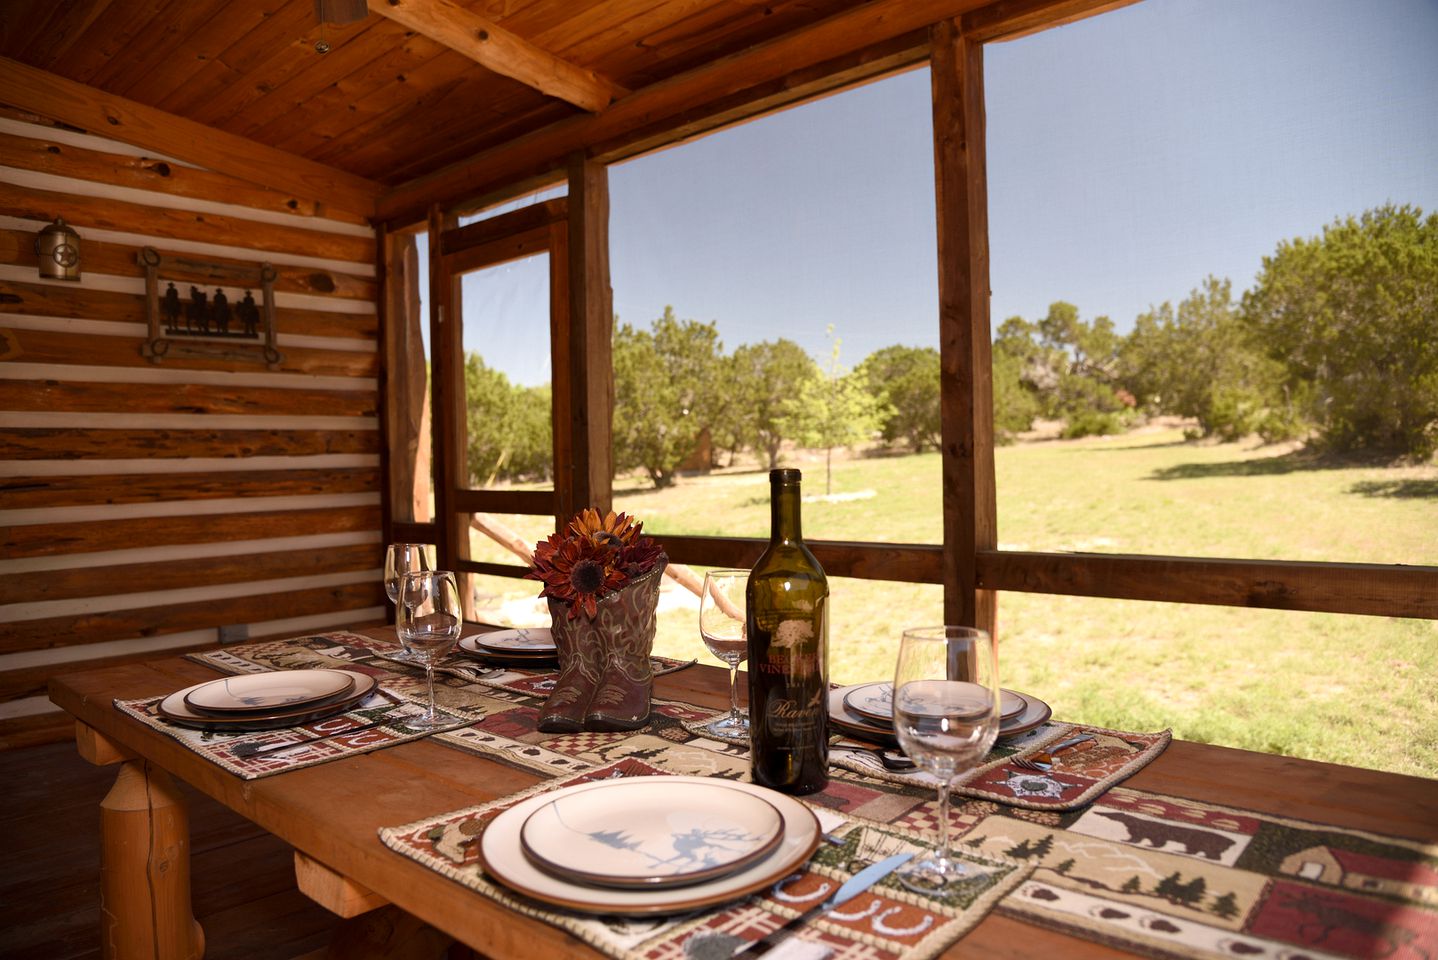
(591, 558)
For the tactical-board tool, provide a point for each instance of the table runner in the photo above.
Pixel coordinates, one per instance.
(888, 922)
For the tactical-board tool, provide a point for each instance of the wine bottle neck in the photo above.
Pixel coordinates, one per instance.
(784, 513)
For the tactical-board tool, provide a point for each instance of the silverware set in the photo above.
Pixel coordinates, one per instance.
(1046, 760)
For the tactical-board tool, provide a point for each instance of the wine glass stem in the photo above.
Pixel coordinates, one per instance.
(944, 821)
(429, 715)
(734, 692)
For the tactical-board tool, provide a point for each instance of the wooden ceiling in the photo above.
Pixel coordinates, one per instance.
(409, 96)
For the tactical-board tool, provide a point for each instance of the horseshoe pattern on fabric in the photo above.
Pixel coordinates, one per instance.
(780, 895)
(881, 927)
(873, 906)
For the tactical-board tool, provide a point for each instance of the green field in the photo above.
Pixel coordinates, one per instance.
(1348, 689)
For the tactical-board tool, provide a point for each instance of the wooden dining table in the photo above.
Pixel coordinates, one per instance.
(330, 814)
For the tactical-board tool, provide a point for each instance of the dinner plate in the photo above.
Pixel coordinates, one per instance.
(643, 834)
(851, 724)
(174, 709)
(470, 646)
(502, 857)
(267, 692)
(521, 640)
(875, 701)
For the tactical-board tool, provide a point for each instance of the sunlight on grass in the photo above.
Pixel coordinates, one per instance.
(1346, 689)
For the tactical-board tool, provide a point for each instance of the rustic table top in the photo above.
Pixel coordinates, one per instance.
(331, 812)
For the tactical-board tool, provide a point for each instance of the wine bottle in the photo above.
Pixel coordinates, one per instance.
(788, 629)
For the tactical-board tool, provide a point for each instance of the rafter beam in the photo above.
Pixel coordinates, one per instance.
(858, 28)
(134, 123)
(492, 46)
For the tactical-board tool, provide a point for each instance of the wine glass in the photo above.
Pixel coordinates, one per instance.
(399, 559)
(946, 716)
(721, 624)
(429, 618)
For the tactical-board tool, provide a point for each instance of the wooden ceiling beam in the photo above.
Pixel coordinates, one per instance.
(1011, 19)
(134, 123)
(862, 27)
(491, 46)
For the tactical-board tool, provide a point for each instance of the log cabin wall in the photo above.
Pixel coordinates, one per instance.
(149, 508)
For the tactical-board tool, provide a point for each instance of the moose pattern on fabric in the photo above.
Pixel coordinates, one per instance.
(1167, 876)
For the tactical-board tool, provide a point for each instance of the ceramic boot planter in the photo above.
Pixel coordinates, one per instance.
(605, 679)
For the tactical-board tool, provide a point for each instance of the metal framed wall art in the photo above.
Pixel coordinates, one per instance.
(209, 310)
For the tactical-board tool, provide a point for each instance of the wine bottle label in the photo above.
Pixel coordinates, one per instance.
(797, 722)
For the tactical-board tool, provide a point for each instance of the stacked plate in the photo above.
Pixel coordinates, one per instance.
(523, 645)
(648, 844)
(865, 711)
(263, 701)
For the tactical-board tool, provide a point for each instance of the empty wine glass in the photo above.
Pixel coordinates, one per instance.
(721, 624)
(946, 716)
(399, 559)
(428, 620)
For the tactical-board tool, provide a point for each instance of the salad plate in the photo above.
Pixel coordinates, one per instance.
(859, 727)
(875, 701)
(645, 832)
(535, 640)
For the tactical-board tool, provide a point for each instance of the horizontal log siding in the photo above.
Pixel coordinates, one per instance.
(120, 539)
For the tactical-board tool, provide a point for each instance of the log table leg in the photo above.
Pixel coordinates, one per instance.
(145, 869)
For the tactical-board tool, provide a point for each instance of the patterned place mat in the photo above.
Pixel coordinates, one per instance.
(377, 723)
(888, 922)
(1171, 877)
(1082, 774)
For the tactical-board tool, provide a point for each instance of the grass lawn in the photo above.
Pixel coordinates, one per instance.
(1347, 689)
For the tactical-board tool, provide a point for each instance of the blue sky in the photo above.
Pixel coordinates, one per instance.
(1130, 155)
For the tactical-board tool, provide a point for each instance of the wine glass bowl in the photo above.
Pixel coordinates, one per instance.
(428, 620)
(399, 559)
(946, 717)
(721, 623)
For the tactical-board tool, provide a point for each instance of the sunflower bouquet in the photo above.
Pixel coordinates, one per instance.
(591, 558)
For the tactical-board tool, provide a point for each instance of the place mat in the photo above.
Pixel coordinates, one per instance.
(1171, 877)
(888, 922)
(1083, 773)
(218, 746)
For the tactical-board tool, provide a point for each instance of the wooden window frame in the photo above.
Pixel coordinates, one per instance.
(968, 564)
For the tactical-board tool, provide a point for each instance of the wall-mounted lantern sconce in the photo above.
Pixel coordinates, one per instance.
(58, 247)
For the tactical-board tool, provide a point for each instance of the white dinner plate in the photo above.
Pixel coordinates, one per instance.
(174, 709)
(267, 692)
(875, 701)
(521, 640)
(503, 859)
(647, 832)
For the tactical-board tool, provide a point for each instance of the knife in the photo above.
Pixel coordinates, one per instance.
(854, 886)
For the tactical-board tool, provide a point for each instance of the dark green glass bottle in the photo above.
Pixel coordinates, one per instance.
(788, 628)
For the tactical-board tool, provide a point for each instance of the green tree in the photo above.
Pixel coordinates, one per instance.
(1352, 315)
(1202, 361)
(508, 426)
(1016, 363)
(833, 409)
(764, 377)
(1131, 885)
(905, 380)
(1070, 367)
(666, 381)
(1225, 906)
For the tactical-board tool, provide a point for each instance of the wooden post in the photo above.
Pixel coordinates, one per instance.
(589, 336)
(145, 869)
(404, 383)
(966, 367)
(447, 401)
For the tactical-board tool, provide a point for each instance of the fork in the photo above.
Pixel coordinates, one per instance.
(1044, 760)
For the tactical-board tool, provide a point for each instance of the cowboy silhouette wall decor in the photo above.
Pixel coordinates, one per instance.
(209, 310)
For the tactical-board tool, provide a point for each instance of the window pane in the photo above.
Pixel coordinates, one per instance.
(1346, 689)
(1208, 292)
(754, 271)
(507, 375)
